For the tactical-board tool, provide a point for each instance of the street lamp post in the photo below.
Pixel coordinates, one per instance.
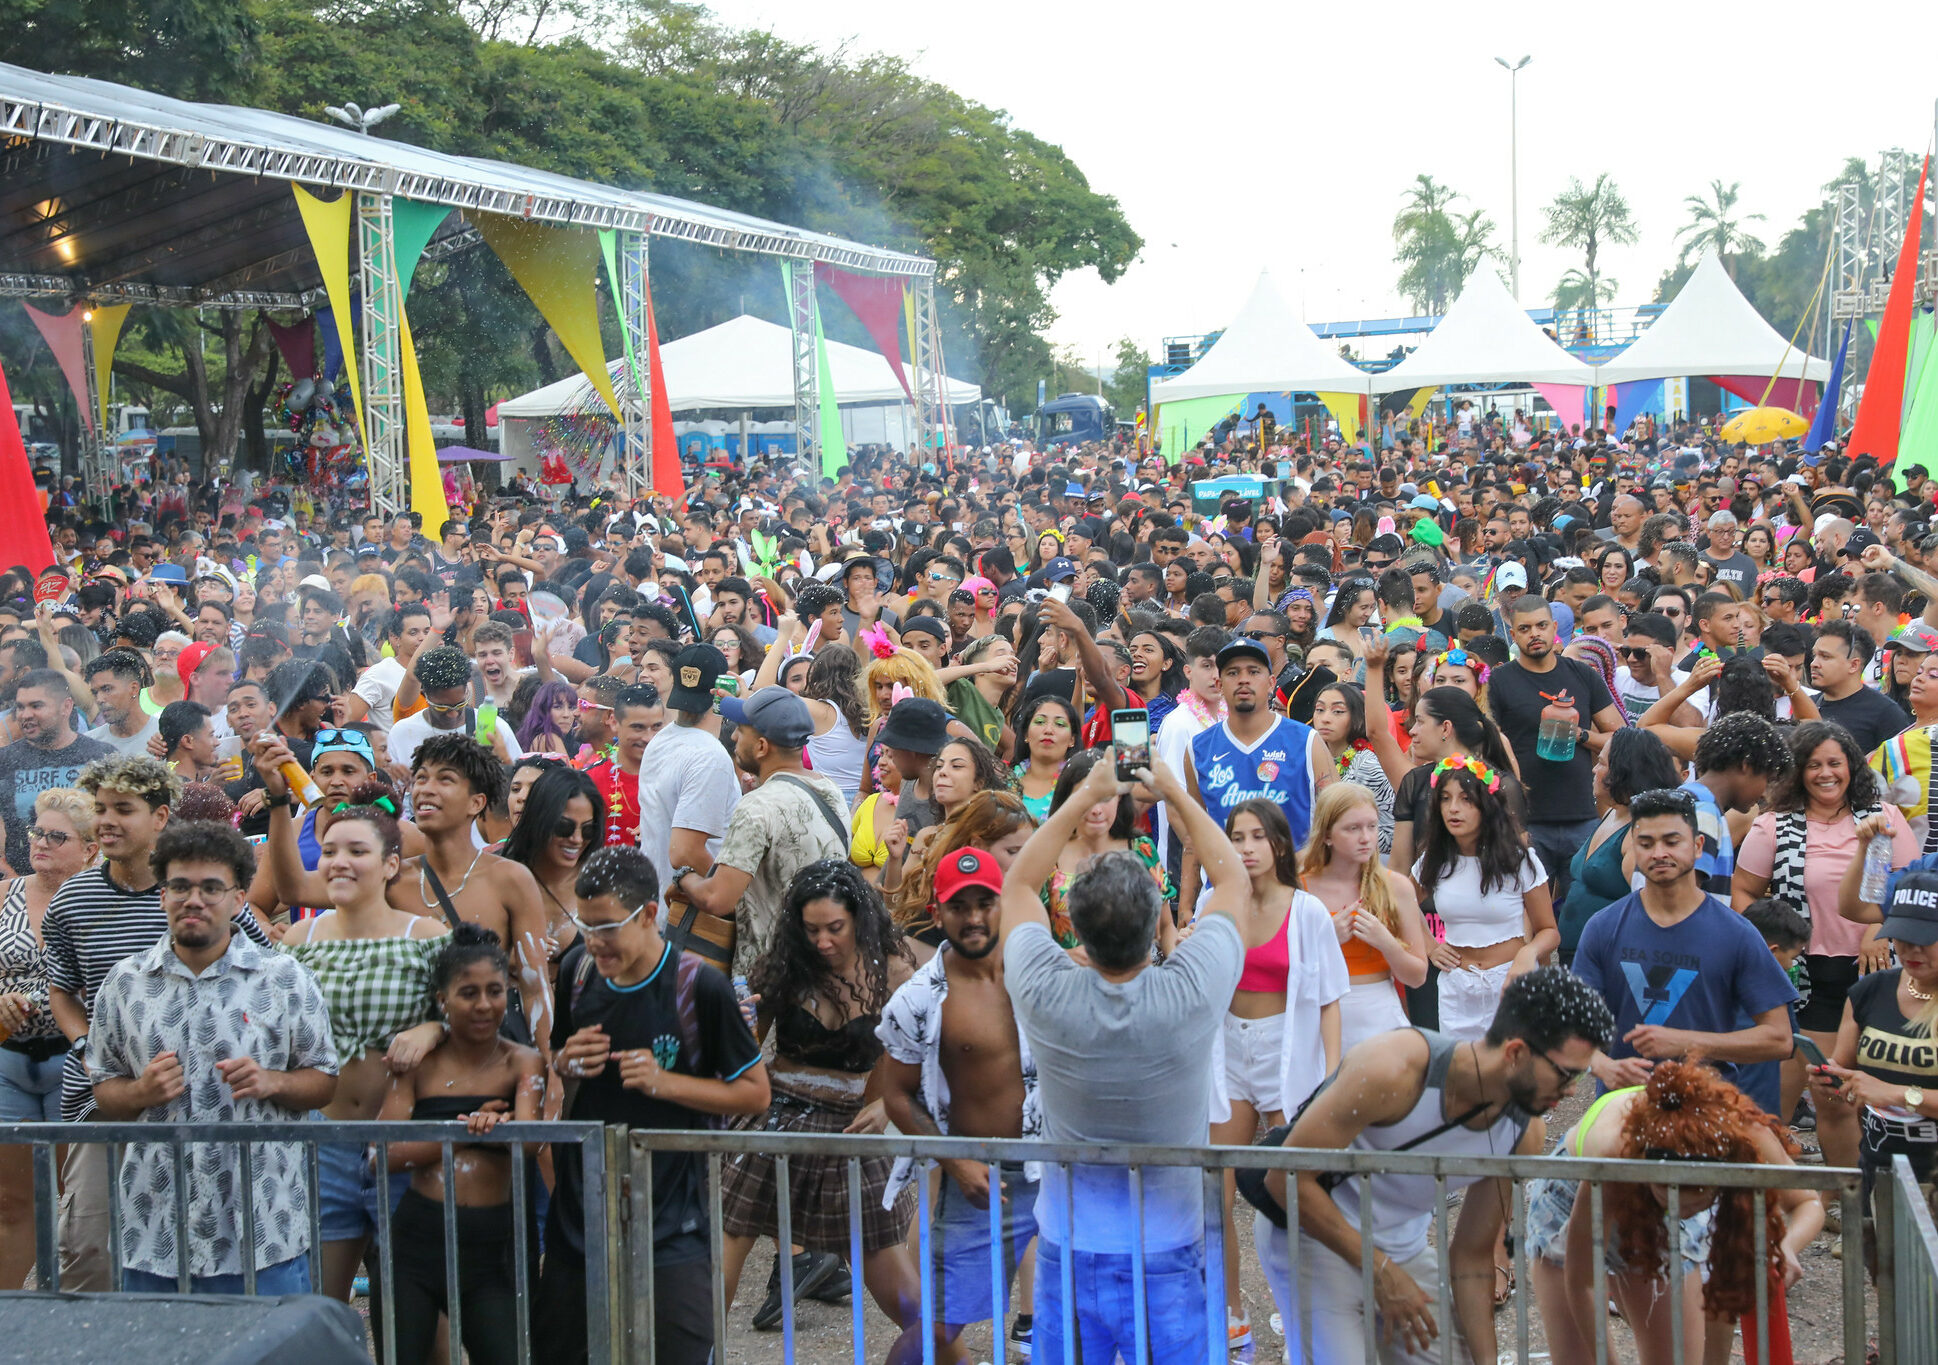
(363, 120)
(1514, 170)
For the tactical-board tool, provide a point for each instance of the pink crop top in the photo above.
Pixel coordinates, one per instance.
(1268, 965)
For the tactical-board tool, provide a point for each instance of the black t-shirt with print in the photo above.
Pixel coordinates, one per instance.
(1560, 793)
(642, 1016)
(1891, 1049)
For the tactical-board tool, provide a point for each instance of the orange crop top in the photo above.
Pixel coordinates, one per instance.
(1363, 959)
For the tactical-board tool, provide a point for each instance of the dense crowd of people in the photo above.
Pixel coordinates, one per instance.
(1035, 794)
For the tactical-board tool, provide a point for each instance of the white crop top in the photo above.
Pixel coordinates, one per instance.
(1475, 919)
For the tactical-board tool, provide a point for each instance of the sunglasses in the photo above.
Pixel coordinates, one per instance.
(53, 838)
(1633, 651)
(565, 829)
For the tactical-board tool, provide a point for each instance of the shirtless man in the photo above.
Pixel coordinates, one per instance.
(956, 1064)
(453, 779)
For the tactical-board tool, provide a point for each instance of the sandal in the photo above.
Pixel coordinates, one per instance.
(1503, 1284)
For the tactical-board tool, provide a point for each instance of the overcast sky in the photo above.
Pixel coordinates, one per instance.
(1246, 136)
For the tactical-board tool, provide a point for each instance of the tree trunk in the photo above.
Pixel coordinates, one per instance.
(254, 444)
(244, 360)
(548, 370)
(471, 401)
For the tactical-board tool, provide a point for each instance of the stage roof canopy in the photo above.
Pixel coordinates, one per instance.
(120, 195)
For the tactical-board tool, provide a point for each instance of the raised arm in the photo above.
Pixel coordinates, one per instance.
(291, 883)
(1091, 659)
(1231, 885)
(1393, 759)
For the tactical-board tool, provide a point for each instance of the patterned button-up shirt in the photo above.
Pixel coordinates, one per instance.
(911, 1033)
(248, 1003)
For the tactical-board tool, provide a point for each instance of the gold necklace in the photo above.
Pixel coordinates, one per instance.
(1911, 988)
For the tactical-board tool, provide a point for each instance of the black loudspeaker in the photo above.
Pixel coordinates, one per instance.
(171, 1329)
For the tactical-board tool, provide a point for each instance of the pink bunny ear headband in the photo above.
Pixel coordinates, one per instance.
(900, 693)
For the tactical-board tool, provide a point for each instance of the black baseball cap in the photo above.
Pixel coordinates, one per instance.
(1913, 913)
(695, 670)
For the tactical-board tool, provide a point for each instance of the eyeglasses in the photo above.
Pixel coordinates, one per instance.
(594, 930)
(1568, 1075)
(180, 888)
(53, 838)
(442, 708)
(565, 829)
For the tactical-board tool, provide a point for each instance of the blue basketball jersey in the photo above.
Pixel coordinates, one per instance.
(1278, 767)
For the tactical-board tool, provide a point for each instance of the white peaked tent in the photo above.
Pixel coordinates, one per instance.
(1485, 338)
(1710, 328)
(1264, 350)
(743, 363)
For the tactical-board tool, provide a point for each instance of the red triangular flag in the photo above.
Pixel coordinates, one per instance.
(23, 529)
(668, 481)
(1880, 412)
(877, 301)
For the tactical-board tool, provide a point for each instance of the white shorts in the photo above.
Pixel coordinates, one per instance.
(1252, 1049)
(1468, 998)
(1369, 1007)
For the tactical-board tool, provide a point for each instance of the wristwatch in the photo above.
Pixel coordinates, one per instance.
(277, 802)
(1914, 1097)
(673, 882)
(79, 1045)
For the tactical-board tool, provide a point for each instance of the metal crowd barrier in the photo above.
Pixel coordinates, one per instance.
(1917, 1309)
(1907, 1276)
(602, 1151)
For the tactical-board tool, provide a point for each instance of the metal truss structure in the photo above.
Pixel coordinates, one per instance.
(934, 429)
(802, 317)
(110, 194)
(635, 453)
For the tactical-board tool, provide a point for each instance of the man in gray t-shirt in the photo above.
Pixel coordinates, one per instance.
(1727, 563)
(1121, 1051)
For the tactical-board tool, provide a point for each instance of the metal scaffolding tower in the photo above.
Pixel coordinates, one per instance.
(97, 455)
(801, 317)
(635, 454)
(383, 371)
(934, 428)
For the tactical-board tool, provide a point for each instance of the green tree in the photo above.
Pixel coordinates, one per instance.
(194, 49)
(1436, 249)
(1716, 225)
(1589, 217)
(1578, 289)
(1124, 390)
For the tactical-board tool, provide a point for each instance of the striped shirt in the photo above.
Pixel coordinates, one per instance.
(91, 924)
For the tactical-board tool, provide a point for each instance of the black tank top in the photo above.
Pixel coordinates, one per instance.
(802, 1037)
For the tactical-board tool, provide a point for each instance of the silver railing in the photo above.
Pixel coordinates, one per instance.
(1907, 1268)
(719, 1149)
(601, 1152)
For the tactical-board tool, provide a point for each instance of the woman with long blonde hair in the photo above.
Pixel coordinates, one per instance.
(1373, 911)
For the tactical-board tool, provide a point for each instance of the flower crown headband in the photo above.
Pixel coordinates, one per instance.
(1461, 658)
(1485, 775)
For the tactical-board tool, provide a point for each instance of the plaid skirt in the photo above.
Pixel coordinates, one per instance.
(817, 1186)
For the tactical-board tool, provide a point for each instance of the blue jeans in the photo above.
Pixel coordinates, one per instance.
(30, 1091)
(1556, 844)
(272, 1281)
(1106, 1316)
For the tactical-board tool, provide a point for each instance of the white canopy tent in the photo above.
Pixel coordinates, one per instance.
(1485, 338)
(744, 363)
(1710, 329)
(1264, 350)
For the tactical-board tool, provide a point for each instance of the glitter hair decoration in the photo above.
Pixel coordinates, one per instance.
(1485, 775)
(1462, 658)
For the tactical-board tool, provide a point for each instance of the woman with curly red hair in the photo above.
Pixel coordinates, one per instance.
(1685, 1113)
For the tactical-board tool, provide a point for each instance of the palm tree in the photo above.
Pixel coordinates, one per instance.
(1714, 225)
(1590, 217)
(1578, 289)
(1472, 246)
(1435, 250)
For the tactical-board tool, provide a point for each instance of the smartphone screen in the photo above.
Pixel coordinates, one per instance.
(1130, 733)
(1061, 592)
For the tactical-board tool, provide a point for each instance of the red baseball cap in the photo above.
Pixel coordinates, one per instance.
(963, 868)
(191, 659)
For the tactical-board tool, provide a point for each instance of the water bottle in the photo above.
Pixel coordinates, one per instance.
(1559, 725)
(1877, 870)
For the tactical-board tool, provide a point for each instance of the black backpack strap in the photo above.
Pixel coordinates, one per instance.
(451, 916)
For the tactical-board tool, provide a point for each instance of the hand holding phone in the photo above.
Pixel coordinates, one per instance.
(1815, 1060)
(1130, 731)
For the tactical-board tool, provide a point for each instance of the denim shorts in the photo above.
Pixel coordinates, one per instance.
(959, 1245)
(30, 1091)
(346, 1191)
(1551, 1203)
(272, 1281)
